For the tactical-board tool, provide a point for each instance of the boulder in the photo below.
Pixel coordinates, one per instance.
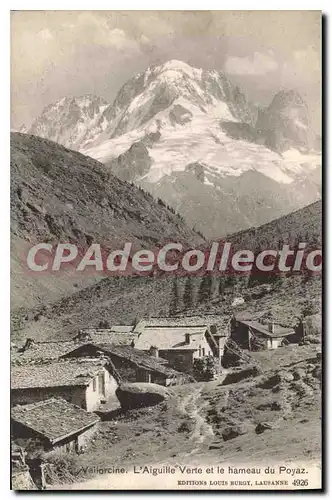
(317, 373)
(238, 301)
(299, 373)
(138, 395)
(234, 431)
(263, 426)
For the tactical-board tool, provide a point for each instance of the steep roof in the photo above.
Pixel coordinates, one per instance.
(170, 337)
(220, 322)
(279, 331)
(53, 419)
(76, 372)
(140, 359)
(174, 321)
(52, 350)
(136, 357)
(119, 335)
(122, 328)
(38, 351)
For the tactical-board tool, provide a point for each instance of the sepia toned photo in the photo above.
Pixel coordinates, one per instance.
(166, 250)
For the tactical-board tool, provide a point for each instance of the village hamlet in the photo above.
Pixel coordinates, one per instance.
(64, 392)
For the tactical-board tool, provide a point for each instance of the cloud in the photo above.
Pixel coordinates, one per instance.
(57, 53)
(45, 34)
(99, 32)
(308, 58)
(119, 39)
(259, 64)
(302, 68)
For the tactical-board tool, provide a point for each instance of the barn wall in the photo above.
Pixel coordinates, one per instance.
(95, 394)
(143, 375)
(275, 343)
(240, 335)
(31, 441)
(84, 438)
(221, 343)
(125, 368)
(181, 360)
(27, 439)
(205, 348)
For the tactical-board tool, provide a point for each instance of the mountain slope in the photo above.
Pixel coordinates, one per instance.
(303, 225)
(122, 300)
(59, 195)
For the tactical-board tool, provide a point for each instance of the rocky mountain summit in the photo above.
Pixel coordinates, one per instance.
(68, 121)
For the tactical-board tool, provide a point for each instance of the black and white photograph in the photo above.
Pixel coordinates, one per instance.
(166, 250)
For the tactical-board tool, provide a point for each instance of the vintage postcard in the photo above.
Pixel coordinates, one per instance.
(166, 250)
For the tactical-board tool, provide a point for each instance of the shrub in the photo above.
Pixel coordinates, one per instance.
(64, 465)
(313, 325)
(311, 339)
(205, 368)
(104, 324)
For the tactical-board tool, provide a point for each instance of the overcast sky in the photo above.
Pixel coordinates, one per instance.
(67, 53)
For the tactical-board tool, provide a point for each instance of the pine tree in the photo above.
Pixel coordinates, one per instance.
(188, 296)
(175, 297)
(205, 288)
(222, 285)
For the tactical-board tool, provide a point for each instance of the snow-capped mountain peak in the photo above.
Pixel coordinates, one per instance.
(191, 137)
(173, 70)
(68, 120)
(154, 91)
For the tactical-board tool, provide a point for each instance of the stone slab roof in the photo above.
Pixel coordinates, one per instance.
(140, 359)
(279, 331)
(119, 335)
(44, 351)
(54, 419)
(170, 337)
(76, 372)
(220, 322)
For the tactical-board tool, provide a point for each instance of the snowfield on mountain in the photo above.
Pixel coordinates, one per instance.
(191, 137)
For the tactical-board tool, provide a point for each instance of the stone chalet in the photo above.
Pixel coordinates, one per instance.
(51, 424)
(244, 332)
(133, 365)
(84, 382)
(180, 341)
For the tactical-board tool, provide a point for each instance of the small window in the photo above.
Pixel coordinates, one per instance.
(203, 352)
(94, 385)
